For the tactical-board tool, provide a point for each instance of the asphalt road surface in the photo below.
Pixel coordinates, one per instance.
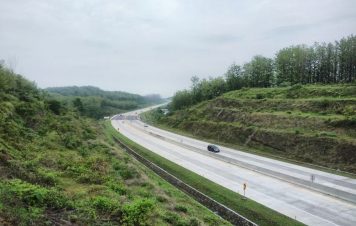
(281, 186)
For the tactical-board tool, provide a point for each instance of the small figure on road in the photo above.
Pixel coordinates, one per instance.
(244, 187)
(312, 178)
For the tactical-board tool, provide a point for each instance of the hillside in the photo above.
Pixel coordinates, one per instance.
(57, 168)
(96, 103)
(312, 123)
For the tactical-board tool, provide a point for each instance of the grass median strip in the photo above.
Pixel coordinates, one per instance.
(248, 208)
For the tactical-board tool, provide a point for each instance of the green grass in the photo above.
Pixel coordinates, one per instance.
(60, 168)
(101, 185)
(296, 91)
(248, 208)
(313, 125)
(259, 150)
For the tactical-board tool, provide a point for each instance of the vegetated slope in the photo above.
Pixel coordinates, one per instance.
(57, 168)
(96, 103)
(313, 123)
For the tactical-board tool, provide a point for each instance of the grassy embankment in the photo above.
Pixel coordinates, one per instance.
(311, 124)
(248, 208)
(59, 168)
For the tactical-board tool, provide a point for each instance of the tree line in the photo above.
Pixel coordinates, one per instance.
(322, 63)
(96, 103)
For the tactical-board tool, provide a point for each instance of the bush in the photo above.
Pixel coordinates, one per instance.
(137, 212)
(175, 219)
(91, 178)
(55, 106)
(18, 192)
(161, 199)
(294, 91)
(260, 96)
(194, 222)
(127, 172)
(324, 103)
(181, 208)
(171, 218)
(104, 204)
(117, 187)
(47, 178)
(285, 84)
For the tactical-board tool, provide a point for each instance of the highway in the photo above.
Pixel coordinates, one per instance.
(311, 196)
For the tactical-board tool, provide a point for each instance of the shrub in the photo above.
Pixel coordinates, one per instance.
(18, 192)
(105, 204)
(175, 219)
(91, 178)
(171, 218)
(294, 91)
(296, 87)
(117, 187)
(137, 212)
(98, 164)
(127, 172)
(47, 178)
(194, 222)
(161, 199)
(324, 103)
(285, 84)
(181, 208)
(259, 96)
(55, 106)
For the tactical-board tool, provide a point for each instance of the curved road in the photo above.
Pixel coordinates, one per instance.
(281, 186)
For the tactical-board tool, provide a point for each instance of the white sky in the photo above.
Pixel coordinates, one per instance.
(156, 46)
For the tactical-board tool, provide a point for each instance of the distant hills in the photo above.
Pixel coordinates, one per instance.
(96, 103)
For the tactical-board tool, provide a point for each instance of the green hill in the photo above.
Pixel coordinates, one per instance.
(312, 123)
(96, 103)
(57, 168)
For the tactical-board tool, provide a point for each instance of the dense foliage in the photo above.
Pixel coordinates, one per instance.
(320, 63)
(59, 168)
(96, 103)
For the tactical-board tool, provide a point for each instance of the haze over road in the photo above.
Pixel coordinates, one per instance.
(231, 168)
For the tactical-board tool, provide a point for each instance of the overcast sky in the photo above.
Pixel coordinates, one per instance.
(156, 46)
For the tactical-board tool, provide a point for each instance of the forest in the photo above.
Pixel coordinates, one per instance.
(320, 63)
(96, 103)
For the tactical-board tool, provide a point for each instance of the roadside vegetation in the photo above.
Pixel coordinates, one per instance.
(96, 103)
(300, 106)
(314, 124)
(60, 168)
(248, 208)
(332, 63)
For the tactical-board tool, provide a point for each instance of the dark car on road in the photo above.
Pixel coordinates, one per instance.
(213, 148)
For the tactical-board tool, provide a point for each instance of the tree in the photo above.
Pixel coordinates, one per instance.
(347, 59)
(55, 106)
(234, 79)
(181, 99)
(291, 64)
(212, 88)
(259, 72)
(319, 63)
(78, 104)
